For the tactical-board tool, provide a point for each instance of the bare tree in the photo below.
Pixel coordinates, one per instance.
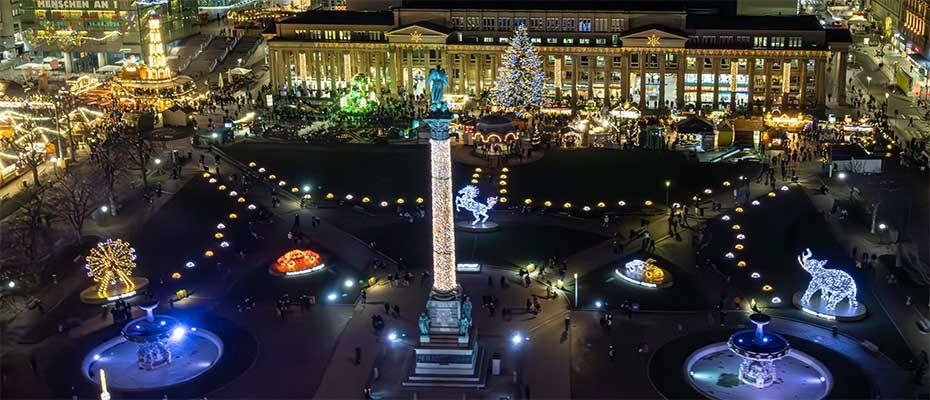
(23, 230)
(74, 196)
(25, 142)
(107, 154)
(138, 150)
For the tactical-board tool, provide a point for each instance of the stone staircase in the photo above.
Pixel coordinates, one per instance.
(446, 362)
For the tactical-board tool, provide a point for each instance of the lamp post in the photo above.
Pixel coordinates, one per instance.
(577, 289)
(667, 185)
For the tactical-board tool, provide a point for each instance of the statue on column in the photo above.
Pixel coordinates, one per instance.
(438, 82)
(466, 308)
(423, 323)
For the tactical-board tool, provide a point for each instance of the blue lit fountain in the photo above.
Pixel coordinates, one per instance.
(759, 351)
(151, 333)
(153, 352)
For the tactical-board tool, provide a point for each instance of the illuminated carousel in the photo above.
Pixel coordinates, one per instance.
(152, 85)
(110, 264)
(297, 262)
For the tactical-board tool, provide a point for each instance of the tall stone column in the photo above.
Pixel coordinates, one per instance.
(443, 223)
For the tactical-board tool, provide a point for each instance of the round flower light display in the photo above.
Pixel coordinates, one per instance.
(297, 262)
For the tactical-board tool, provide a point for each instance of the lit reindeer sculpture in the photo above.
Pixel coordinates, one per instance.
(834, 285)
(466, 200)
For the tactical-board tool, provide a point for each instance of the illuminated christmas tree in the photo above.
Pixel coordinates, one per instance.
(360, 99)
(519, 85)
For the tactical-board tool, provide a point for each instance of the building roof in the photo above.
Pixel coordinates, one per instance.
(755, 23)
(714, 6)
(842, 152)
(663, 28)
(839, 35)
(323, 17)
(694, 124)
(428, 25)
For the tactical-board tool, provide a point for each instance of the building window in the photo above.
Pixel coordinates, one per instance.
(584, 25)
(504, 40)
(567, 60)
(584, 41)
(568, 41)
(778, 41)
(615, 76)
(652, 61)
(795, 42)
(487, 23)
(489, 40)
(345, 35)
(503, 24)
(552, 24)
(583, 75)
(329, 35)
(708, 62)
(616, 25)
(634, 60)
(456, 74)
(760, 41)
(568, 24)
(536, 40)
(472, 23)
(692, 62)
(584, 61)
(458, 22)
(724, 63)
(536, 24)
(600, 41)
(600, 25)
(760, 63)
(671, 60)
(552, 40)
(617, 62)
(599, 61)
(809, 65)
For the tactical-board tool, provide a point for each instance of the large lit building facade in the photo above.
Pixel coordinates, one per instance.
(651, 58)
(89, 34)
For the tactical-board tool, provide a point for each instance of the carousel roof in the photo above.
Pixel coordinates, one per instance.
(494, 123)
(11, 89)
(694, 124)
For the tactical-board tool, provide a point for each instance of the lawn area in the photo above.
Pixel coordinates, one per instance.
(579, 176)
(777, 231)
(593, 175)
(358, 169)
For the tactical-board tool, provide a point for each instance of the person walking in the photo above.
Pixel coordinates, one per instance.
(358, 356)
(387, 307)
(396, 311)
(611, 353)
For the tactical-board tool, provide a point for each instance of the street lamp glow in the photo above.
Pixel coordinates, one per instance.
(882, 226)
(157, 161)
(516, 338)
(11, 284)
(392, 336)
(668, 183)
(841, 175)
(306, 188)
(331, 297)
(104, 208)
(348, 283)
(598, 304)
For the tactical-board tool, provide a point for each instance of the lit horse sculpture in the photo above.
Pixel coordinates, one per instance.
(834, 285)
(466, 200)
